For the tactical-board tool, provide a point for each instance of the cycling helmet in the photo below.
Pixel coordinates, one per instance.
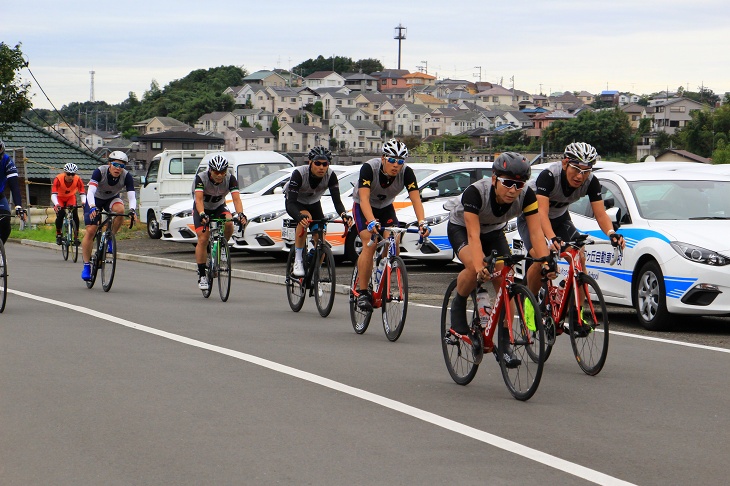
(513, 165)
(319, 152)
(218, 163)
(395, 148)
(118, 155)
(70, 168)
(582, 153)
(2, 147)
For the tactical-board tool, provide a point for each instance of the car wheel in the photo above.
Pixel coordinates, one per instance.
(650, 298)
(153, 227)
(353, 245)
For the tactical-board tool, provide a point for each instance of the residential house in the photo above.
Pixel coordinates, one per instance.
(370, 103)
(218, 121)
(446, 86)
(586, 97)
(438, 121)
(523, 99)
(674, 155)
(390, 79)
(358, 136)
(408, 120)
(541, 101)
(669, 115)
(255, 117)
(297, 137)
(341, 114)
(497, 95)
(336, 99)
(458, 96)
(249, 139)
(467, 120)
(266, 79)
(635, 112)
(567, 101)
(544, 120)
(40, 156)
(626, 98)
(419, 79)
(360, 81)
(299, 116)
(429, 101)
(152, 144)
(387, 114)
(160, 124)
(609, 96)
(307, 96)
(402, 93)
(324, 79)
(283, 98)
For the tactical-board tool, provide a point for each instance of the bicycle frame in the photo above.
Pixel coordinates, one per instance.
(392, 251)
(321, 231)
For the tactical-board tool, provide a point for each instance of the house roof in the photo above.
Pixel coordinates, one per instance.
(258, 75)
(495, 91)
(319, 74)
(181, 137)
(685, 154)
(431, 100)
(253, 133)
(165, 120)
(47, 152)
(302, 128)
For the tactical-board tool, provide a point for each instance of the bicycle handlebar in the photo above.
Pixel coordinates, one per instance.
(396, 229)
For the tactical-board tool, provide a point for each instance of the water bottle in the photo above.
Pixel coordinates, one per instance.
(484, 304)
(215, 248)
(379, 272)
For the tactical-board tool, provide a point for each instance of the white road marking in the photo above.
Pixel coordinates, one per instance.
(428, 417)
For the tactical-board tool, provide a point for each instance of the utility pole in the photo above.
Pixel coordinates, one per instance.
(400, 35)
(480, 72)
(425, 63)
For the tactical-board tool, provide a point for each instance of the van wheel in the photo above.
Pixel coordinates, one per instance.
(153, 227)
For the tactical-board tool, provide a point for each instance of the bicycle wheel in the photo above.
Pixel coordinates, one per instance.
(209, 270)
(224, 271)
(522, 380)
(108, 263)
(295, 287)
(395, 299)
(97, 257)
(3, 276)
(66, 239)
(324, 282)
(360, 319)
(458, 354)
(74, 248)
(589, 341)
(548, 330)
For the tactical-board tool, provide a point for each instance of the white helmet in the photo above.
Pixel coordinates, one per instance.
(395, 148)
(118, 155)
(582, 153)
(218, 163)
(70, 168)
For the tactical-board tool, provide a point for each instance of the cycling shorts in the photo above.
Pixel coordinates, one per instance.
(101, 204)
(385, 216)
(494, 240)
(221, 211)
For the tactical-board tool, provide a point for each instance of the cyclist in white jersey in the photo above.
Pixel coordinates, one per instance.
(105, 186)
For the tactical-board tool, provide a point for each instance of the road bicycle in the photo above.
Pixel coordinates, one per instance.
(388, 285)
(104, 254)
(319, 271)
(587, 328)
(69, 234)
(515, 312)
(218, 263)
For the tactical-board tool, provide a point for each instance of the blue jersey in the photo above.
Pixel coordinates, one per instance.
(9, 177)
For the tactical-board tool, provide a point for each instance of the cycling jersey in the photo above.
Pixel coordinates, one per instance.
(65, 194)
(9, 177)
(553, 184)
(304, 191)
(106, 187)
(383, 188)
(480, 199)
(214, 194)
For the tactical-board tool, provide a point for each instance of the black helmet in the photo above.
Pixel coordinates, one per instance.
(513, 165)
(319, 152)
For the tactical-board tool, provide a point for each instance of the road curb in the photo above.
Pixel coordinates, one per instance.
(168, 262)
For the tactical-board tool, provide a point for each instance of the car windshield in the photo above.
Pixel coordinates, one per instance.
(265, 181)
(682, 199)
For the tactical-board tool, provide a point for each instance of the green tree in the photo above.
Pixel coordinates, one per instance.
(275, 128)
(318, 108)
(609, 131)
(368, 66)
(662, 141)
(14, 93)
(721, 155)
(697, 136)
(702, 95)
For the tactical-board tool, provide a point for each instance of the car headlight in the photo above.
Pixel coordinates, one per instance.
(263, 218)
(437, 219)
(699, 254)
(184, 214)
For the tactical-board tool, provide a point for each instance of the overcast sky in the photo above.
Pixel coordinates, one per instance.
(641, 46)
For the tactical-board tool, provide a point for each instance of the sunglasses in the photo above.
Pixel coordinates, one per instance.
(393, 160)
(510, 183)
(581, 171)
(320, 163)
(70, 174)
(118, 165)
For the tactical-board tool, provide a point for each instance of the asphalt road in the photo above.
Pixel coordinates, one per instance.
(150, 383)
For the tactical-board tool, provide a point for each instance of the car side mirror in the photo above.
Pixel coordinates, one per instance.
(429, 193)
(143, 180)
(614, 214)
(608, 203)
(278, 190)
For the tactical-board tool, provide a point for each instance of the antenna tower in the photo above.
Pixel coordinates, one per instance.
(91, 92)
(400, 35)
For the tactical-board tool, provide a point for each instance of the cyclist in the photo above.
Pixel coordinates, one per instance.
(381, 179)
(105, 186)
(63, 193)
(211, 188)
(9, 177)
(556, 187)
(476, 227)
(303, 193)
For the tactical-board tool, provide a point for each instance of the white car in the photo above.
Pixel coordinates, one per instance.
(675, 223)
(177, 220)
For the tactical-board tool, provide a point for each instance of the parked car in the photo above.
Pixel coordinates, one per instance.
(176, 221)
(675, 223)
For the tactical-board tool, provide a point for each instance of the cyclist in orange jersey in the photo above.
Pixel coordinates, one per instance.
(63, 193)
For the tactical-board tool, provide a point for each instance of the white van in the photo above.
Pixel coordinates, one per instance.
(168, 180)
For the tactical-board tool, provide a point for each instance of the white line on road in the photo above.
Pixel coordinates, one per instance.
(443, 422)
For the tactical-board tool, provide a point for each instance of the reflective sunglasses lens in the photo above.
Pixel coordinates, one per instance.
(512, 183)
(117, 165)
(319, 163)
(396, 161)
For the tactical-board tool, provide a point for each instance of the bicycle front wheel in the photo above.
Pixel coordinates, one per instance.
(395, 299)
(3, 277)
(295, 288)
(589, 333)
(458, 354)
(108, 263)
(66, 239)
(74, 248)
(360, 319)
(96, 259)
(526, 338)
(224, 270)
(325, 282)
